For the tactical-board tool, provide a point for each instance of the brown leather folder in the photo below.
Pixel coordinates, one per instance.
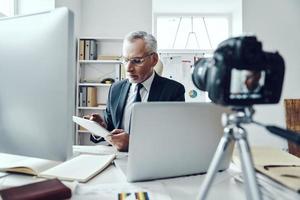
(47, 190)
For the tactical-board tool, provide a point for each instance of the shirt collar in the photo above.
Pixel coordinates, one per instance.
(147, 83)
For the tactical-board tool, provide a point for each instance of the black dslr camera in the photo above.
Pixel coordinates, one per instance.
(240, 73)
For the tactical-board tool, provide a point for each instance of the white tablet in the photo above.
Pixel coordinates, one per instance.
(91, 126)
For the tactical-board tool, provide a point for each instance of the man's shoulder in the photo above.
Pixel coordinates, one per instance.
(169, 82)
(119, 84)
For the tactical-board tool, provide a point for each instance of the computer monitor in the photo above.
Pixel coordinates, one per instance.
(37, 84)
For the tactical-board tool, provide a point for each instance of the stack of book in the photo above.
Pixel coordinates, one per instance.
(88, 97)
(87, 49)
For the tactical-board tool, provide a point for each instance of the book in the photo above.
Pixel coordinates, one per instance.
(87, 50)
(81, 168)
(43, 190)
(81, 49)
(80, 98)
(84, 96)
(108, 57)
(24, 164)
(93, 50)
(91, 96)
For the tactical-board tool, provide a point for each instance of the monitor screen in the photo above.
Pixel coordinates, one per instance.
(37, 84)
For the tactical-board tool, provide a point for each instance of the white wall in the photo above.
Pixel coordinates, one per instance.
(115, 18)
(75, 7)
(277, 24)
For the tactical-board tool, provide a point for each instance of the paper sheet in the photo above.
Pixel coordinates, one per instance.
(91, 126)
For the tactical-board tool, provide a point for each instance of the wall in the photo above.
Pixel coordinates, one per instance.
(75, 7)
(115, 18)
(277, 24)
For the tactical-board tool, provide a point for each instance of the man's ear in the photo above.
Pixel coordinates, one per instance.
(154, 59)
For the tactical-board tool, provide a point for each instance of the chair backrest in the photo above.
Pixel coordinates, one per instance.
(292, 116)
(159, 67)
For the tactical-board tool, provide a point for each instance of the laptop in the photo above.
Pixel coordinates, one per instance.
(169, 139)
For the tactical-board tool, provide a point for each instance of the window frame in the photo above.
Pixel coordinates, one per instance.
(14, 8)
(157, 15)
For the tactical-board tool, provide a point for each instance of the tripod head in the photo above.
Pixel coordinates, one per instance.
(239, 115)
(244, 115)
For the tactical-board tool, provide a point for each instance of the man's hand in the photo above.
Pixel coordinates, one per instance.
(120, 139)
(96, 118)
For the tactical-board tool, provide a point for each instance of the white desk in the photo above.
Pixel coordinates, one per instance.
(224, 187)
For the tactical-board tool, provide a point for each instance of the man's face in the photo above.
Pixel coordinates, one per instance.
(140, 62)
(252, 80)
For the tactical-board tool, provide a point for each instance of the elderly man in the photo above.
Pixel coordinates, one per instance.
(142, 85)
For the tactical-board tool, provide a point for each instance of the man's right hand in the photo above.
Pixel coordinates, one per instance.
(96, 118)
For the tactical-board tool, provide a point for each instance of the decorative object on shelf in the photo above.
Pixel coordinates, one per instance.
(108, 81)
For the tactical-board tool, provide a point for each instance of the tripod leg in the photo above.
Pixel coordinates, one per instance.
(213, 167)
(252, 190)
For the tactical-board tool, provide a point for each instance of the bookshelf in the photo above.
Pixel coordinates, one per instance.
(98, 63)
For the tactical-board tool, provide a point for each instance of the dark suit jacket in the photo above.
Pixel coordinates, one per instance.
(162, 89)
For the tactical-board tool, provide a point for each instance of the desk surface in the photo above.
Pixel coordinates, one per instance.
(224, 186)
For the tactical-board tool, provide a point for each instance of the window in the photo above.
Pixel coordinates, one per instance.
(7, 8)
(186, 32)
(34, 6)
(20, 7)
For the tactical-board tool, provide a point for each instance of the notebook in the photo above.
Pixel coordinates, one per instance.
(24, 164)
(81, 168)
(169, 139)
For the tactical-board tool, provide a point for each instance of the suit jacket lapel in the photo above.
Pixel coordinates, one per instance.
(122, 102)
(155, 89)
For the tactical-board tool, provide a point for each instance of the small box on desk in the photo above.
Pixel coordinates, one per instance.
(45, 190)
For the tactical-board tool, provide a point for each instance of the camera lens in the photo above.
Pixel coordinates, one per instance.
(199, 73)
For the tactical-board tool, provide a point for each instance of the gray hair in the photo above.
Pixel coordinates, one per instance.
(149, 39)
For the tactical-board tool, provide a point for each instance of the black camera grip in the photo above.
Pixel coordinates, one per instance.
(289, 135)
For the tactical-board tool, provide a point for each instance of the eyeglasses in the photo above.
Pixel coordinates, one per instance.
(138, 61)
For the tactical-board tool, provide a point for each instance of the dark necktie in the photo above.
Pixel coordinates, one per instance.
(138, 97)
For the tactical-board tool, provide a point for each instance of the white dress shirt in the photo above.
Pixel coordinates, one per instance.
(144, 92)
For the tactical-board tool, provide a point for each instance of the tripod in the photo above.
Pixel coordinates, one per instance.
(234, 132)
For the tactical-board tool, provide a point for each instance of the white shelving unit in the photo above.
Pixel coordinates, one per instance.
(90, 73)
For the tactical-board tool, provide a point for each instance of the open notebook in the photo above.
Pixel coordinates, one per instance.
(81, 168)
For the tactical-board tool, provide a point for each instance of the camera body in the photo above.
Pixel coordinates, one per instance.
(240, 73)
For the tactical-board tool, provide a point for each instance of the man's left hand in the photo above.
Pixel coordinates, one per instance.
(120, 139)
